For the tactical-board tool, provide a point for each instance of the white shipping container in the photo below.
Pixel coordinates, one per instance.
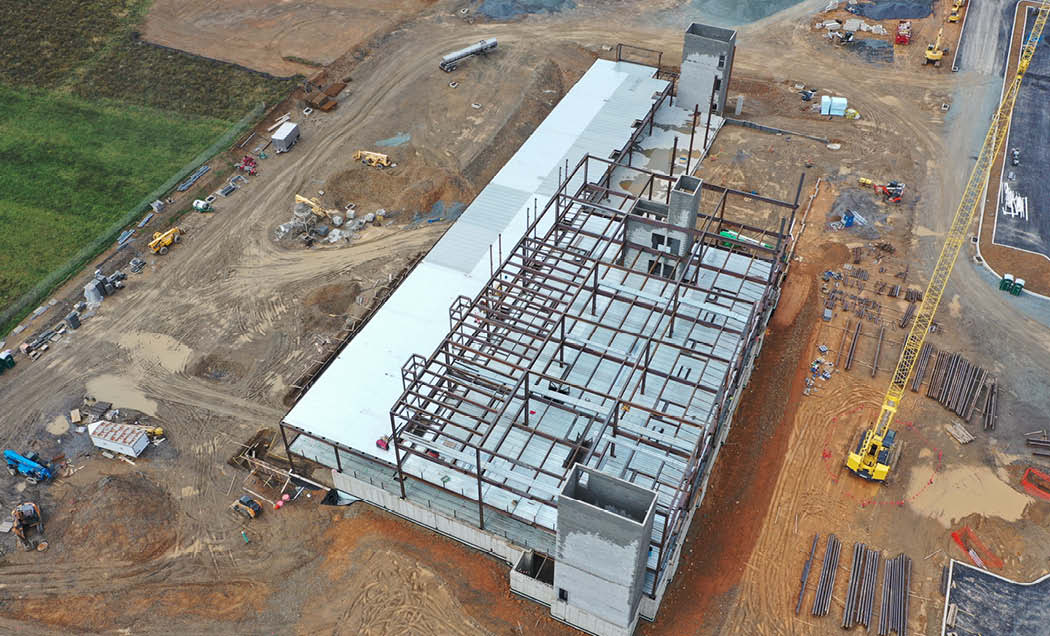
(119, 438)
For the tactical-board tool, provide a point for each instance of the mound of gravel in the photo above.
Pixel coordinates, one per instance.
(895, 9)
(733, 12)
(506, 9)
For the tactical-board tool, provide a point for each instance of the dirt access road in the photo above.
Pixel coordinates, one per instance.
(212, 337)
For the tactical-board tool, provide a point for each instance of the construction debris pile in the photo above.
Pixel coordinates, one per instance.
(839, 28)
(313, 222)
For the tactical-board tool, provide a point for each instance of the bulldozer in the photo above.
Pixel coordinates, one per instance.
(26, 517)
(934, 53)
(162, 240)
(374, 159)
(956, 12)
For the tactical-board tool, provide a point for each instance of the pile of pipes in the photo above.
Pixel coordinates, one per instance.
(959, 385)
(860, 594)
(893, 613)
(826, 584)
(1040, 447)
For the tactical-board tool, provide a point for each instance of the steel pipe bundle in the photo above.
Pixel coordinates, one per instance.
(855, 571)
(878, 349)
(908, 313)
(991, 407)
(1041, 447)
(853, 346)
(826, 584)
(805, 573)
(867, 589)
(893, 614)
(842, 345)
(920, 368)
(860, 594)
(958, 384)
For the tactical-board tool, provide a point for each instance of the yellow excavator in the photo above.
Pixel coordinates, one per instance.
(877, 450)
(934, 52)
(316, 206)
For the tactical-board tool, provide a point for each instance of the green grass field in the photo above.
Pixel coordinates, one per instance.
(69, 168)
(92, 121)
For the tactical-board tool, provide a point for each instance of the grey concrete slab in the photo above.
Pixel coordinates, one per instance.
(988, 604)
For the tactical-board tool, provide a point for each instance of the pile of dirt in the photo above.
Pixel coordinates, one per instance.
(327, 306)
(217, 368)
(118, 518)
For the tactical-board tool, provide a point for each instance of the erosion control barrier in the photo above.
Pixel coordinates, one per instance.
(771, 129)
(25, 303)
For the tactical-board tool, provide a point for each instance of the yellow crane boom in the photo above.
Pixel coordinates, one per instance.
(873, 456)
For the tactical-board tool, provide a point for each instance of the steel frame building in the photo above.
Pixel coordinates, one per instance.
(572, 354)
(614, 338)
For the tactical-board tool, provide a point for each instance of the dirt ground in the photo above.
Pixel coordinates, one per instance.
(210, 340)
(278, 38)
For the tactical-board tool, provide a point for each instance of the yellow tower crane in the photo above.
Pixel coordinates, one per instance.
(877, 449)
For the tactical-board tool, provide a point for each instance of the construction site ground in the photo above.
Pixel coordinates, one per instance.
(210, 340)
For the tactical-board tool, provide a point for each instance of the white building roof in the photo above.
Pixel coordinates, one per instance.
(351, 401)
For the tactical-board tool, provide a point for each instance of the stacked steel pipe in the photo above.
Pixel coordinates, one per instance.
(853, 346)
(860, 594)
(907, 315)
(958, 385)
(1040, 447)
(991, 407)
(805, 573)
(826, 584)
(893, 613)
(920, 368)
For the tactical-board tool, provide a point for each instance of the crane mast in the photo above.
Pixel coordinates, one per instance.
(874, 454)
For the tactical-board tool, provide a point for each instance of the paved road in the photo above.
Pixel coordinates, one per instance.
(1008, 335)
(1023, 220)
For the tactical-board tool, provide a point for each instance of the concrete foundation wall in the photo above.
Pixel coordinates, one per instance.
(589, 622)
(454, 528)
(707, 56)
(520, 583)
(531, 588)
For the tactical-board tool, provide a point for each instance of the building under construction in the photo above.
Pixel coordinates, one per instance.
(604, 315)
